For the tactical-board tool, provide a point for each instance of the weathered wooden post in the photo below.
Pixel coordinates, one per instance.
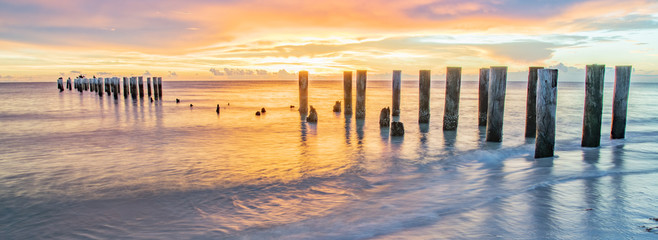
(424, 96)
(496, 103)
(397, 86)
(117, 81)
(546, 100)
(133, 92)
(125, 87)
(60, 84)
(99, 87)
(531, 105)
(69, 86)
(108, 88)
(451, 109)
(160, 87)
(141, 86)
(347, 92)
(483, 96)
(148, 85)
(303, 92)
(620, 101)
(312, 116)
(155, 88)
(361, 78)
(593, 105)
(115, 87)
(385, 117)
(397, 129)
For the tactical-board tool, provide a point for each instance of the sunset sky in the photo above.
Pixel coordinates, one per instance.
(41, 40)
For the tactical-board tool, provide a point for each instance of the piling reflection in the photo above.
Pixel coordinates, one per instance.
(542, 205)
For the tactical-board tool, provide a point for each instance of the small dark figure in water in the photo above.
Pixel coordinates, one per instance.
(217, 109)
(292, 106)
(177, 100)
(151, 99)
(191, 105)
(262, 110)
(229, 104)
(257, 113)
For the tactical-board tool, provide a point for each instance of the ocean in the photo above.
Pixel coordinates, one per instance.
(78, 166)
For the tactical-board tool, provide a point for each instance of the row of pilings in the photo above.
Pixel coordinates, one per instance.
(133, 86)
(541, 103)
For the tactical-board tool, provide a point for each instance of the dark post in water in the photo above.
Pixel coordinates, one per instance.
(155, 88)
(360, 94)
(424, 96)
(451, 109)
(303, 92)
(496, 103)
(483, 96)
(160, 87)
(620, 101)
(141, 86)
(148, 86)
(125, 87)
(593, 105)
(397, 85)
(531, 105)
(347, 92)
(546, 100)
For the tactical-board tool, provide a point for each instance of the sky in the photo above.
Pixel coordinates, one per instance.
(41, 40)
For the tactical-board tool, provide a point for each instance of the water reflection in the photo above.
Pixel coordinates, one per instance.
(359, 130)
(348, 130)
(592, 195)
(542, 203)
(449, 140)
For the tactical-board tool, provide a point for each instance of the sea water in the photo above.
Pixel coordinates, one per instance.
(79, 166)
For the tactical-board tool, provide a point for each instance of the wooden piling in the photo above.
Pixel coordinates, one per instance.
(361, 79)
(396, 86)
(155, 88)
(620, 101)
(451, 109)
(496, 103)
(69, 86)
(141, 86)
(483, 96)
(148, 86)
(593, 105)
(531, 105)
(347, 92)
(125, 87)
(133, 87)
(160, 87)
(115, 87)
(99, 87)
(424, 81)
(108, 89)
(385, 117)
(303, 92)
(60, 84)
(546, 100)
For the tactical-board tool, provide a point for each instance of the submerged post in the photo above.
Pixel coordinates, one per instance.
(397, 85)
(68, 84)
(347, 92)
(125, 87)
(155, 88)
(483, 96)
(60, 84)
(99, 87)
(593, 105)
(620, 101)
(451, 109)
(133, 87)
(546, 100)
(115, 87)
(148, 85)
(361, 78)
(160, 87)
(424, 96)
(303, 92)
(531, 104)
(141, 86)
(496, 103)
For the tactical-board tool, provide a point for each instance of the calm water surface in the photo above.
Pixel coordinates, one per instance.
(76, 166)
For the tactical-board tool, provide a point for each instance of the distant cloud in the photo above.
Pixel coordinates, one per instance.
(283, 74)
(146, 73)
(75, 72)
(172, 74)
(216, 72)
(103, 73)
